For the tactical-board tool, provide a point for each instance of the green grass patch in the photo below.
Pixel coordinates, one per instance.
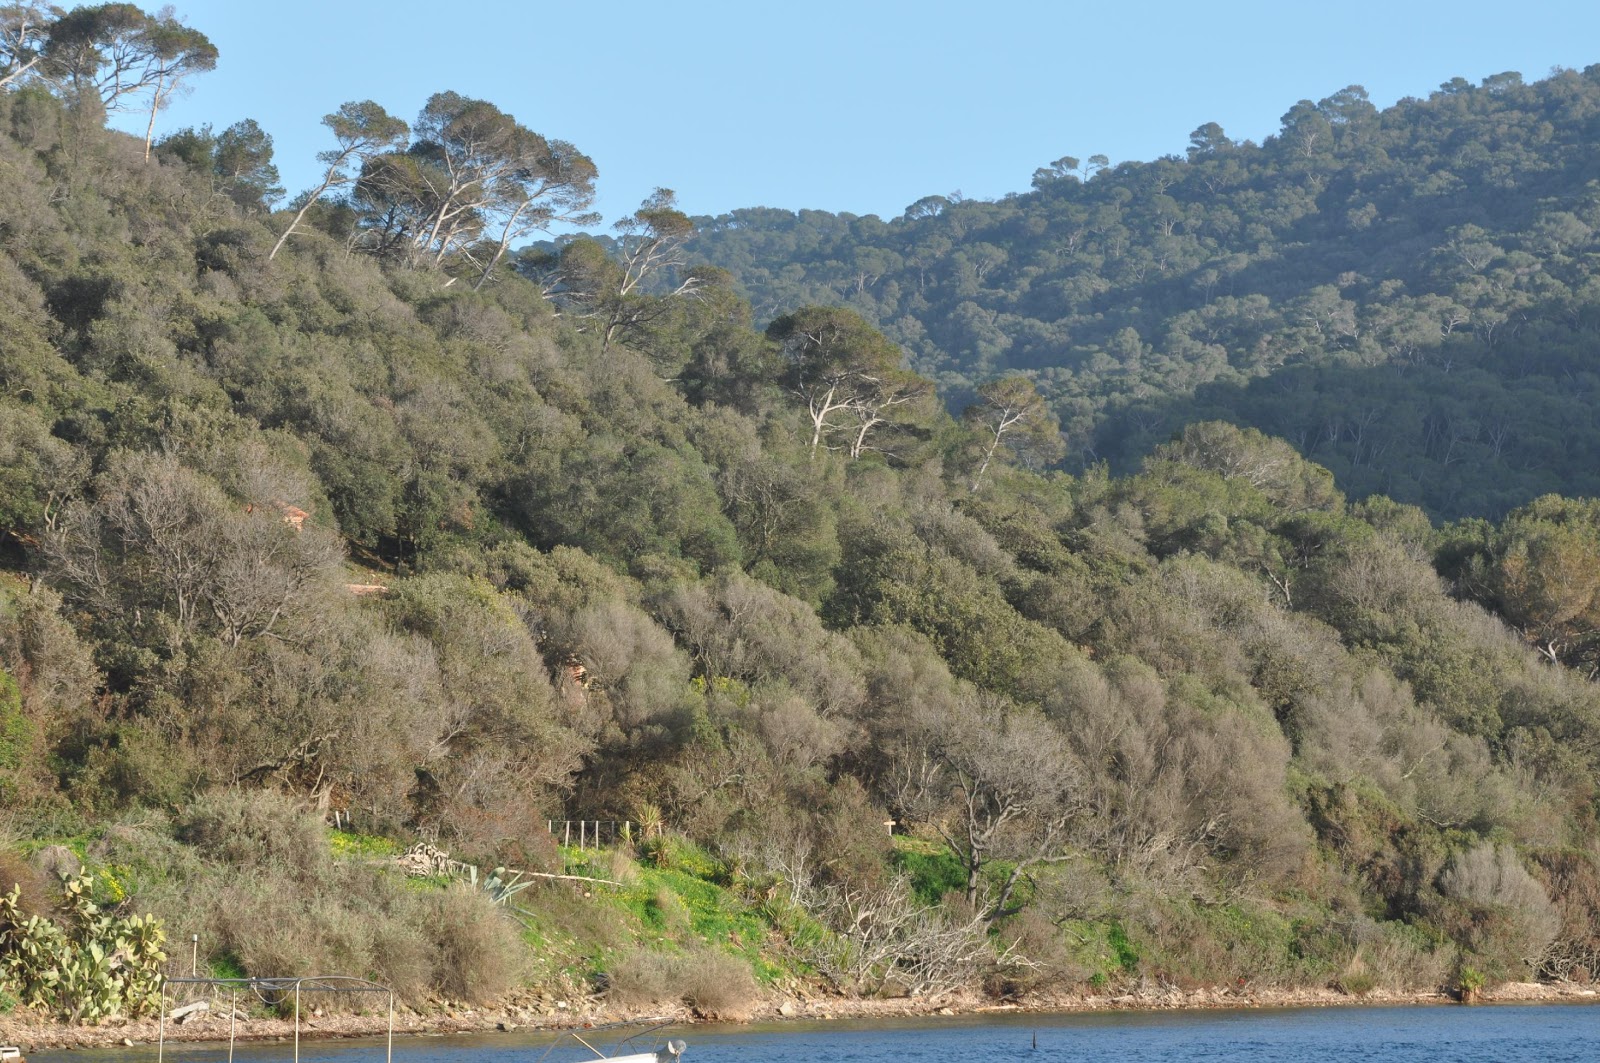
(1122, 949)
(1100, 947)
(351, 845)
(674, 854)
(226, 965)
(677, 899)
(934, 871)
(78, 843)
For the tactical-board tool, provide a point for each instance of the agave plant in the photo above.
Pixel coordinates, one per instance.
(500, 884)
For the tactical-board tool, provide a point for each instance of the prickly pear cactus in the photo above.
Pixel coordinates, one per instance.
(94, 965)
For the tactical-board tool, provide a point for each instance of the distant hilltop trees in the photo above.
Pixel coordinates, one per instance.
(1408, 294)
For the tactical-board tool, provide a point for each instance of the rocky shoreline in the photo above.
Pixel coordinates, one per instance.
(34, 1034)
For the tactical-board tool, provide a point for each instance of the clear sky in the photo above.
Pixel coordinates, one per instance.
(862, 106)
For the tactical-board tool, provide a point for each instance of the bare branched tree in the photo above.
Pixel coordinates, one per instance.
(997, 783)
(885, 938)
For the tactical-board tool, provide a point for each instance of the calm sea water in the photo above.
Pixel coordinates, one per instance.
(1545, 1033)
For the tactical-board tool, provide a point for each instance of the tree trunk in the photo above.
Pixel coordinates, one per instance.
(150, 129)
(500, 250)
(328, 181)
(988, 456)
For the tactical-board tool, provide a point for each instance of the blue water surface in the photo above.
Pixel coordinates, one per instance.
(1546, 1033)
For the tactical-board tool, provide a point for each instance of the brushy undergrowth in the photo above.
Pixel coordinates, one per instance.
(714, 983)
(271, 890)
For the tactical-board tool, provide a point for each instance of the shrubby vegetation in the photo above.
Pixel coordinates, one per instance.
(367, 521)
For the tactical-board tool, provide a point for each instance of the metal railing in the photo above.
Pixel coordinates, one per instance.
(274, 992)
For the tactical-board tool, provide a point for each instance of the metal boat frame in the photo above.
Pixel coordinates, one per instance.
(276, 991)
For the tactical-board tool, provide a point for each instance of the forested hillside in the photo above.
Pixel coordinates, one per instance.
(387, 519)
(1407, 295)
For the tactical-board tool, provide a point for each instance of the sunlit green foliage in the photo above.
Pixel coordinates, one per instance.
(418, 540)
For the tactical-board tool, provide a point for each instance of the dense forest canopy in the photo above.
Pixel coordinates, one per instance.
(1407, 295)
(350, 505)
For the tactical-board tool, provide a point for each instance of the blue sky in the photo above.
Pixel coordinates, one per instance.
(862, 107)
